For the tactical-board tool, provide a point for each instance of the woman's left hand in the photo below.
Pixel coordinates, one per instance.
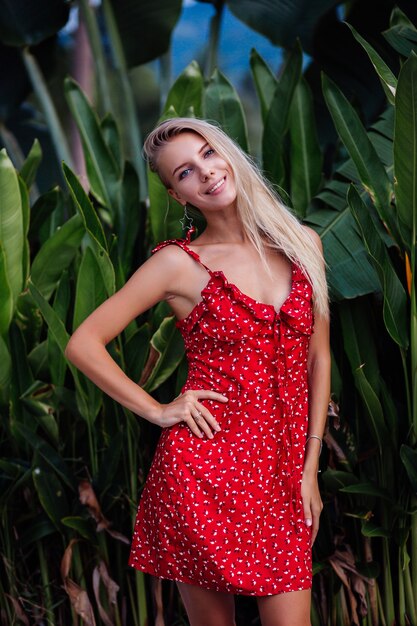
(312, 503)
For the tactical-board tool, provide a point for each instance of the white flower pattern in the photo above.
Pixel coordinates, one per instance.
(226, 513)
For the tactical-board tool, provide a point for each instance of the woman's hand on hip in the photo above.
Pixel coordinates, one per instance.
(187, 408)
(312, 503)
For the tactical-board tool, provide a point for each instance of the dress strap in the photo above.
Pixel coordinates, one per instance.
(183, 244)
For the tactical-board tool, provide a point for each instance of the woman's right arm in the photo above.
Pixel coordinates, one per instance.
(157, 278)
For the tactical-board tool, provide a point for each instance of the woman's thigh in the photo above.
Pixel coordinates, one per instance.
(285, 609)
(206, 607)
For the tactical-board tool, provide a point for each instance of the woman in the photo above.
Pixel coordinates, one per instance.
(231, 504)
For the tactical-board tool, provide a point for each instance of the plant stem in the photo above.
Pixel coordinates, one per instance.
(215, 24)
(134, 134)
(413, 531)
(50, 617)
(41, 90)
(401, 594)
(11, 144)
(388, 591)
(94, 38)
(409, 595)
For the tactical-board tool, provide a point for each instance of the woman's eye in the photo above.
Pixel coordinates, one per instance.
(209, 152)
(184, 173)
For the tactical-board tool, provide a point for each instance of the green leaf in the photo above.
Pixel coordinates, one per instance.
(6, 301)
(221, 103)
(281, 21)
(5, 371)
(167, 349)
(351, 131)
(94, 229)
(405, 149)
(402, 38)
(265, 82)
(147, 22)
(55, 324)
(136, 351)
(395, 298)
(51, 495)
(374, 412)
(369, 529)
(28, 23)
(82, 526)
(276, 123)
(368, 489)
(31, 164)
(48, 454)
(56, 255)
(90, 291)
(103, 170)
(36, 530)
(112, 138)
(164, 212)
(409, 459)
(387, 78)
(56, 361)
(11, 224)
(187, 91)
(128, 218)
(109, 464)
(306, 157)
(334, 480)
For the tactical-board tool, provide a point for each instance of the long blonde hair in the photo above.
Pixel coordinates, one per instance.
(261, 211)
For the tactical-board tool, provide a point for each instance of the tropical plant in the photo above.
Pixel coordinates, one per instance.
(72, 460)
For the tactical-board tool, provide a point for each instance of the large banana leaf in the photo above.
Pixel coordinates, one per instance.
(265, 82)
(145, 27)
(222, 103)
(11, 224)
(371, 170)
(350, 272)
(305, 152)
(94, 229)
(103, 169)
(395, 299)
(405, 149)
(282, 21)
(56, 255)
(276, 122)
(26, 23)
(187, 92)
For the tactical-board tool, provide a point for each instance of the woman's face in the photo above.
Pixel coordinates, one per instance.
(196, 174)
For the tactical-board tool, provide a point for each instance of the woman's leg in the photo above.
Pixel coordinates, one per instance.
(206, 607)
(285, 609)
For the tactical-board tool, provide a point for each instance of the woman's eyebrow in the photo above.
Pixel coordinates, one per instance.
(184, 164)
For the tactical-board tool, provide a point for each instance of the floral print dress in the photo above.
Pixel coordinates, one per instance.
(226, 513)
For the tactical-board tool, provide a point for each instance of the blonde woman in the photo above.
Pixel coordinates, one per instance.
(231, 504)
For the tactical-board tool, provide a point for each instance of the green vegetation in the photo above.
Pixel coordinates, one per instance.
(73, 461)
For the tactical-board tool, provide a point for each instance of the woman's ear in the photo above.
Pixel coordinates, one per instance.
(176, 197)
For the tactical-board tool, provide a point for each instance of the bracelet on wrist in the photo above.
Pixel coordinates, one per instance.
(315, 437)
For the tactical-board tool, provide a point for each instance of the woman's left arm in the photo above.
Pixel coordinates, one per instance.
(318, 369)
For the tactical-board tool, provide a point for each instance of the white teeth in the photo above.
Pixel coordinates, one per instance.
(216, 186)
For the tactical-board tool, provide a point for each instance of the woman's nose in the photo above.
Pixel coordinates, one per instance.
(205, 173)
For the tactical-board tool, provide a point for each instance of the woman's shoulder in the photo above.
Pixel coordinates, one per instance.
(314, 236)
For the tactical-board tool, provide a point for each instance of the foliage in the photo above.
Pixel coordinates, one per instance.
(72, 460)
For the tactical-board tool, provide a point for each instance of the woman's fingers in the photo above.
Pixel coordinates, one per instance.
(199, 419)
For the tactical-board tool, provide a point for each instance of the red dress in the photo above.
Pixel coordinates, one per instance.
(226, 513)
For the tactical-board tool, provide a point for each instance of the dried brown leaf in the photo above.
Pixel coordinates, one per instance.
(80, 602)
(66, 559)
(96, 586)
(20, 614)
(89, 499)
(149, 365)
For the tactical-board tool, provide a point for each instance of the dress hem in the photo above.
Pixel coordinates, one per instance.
(214, 587)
